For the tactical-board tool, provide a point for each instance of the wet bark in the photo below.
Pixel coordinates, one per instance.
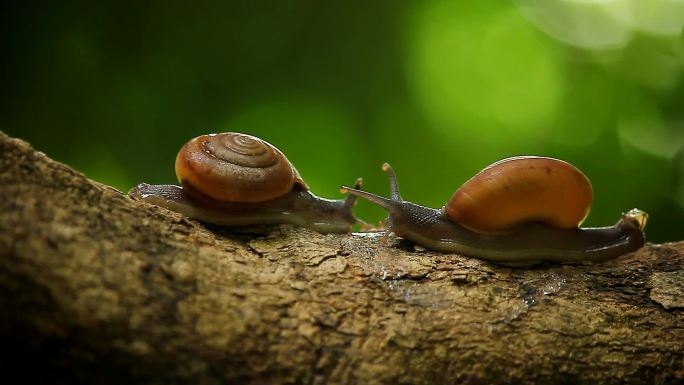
(98, 288)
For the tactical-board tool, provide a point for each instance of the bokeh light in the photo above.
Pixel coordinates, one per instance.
(438, 88)
(502, 85)
(604, 24)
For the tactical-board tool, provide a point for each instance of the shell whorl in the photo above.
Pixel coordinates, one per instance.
(235, 167)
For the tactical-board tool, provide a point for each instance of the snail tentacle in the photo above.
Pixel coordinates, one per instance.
(394, 186)
(379, 200)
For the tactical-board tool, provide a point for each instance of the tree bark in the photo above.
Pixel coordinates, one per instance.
(98, 288)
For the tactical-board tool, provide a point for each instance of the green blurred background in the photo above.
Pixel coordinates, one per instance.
(439, 89)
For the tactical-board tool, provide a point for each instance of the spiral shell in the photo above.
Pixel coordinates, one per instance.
(520, 190)
(235, 167)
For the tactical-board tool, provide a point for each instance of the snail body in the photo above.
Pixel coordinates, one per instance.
(521, 209)
(235, 179)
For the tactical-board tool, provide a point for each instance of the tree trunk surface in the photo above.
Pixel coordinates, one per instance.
(98, 288)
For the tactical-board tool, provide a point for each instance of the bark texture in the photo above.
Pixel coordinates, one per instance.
(98, 288)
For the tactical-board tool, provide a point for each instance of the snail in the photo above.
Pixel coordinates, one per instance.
(235, 179)
(518, 210)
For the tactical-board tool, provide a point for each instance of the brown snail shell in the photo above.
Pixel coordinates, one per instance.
(235, 167)
(519, 190)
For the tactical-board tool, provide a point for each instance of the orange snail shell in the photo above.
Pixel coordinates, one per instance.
(519, 190)
(235, 167)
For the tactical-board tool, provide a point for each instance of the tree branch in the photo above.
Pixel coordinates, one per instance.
(98, 288)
